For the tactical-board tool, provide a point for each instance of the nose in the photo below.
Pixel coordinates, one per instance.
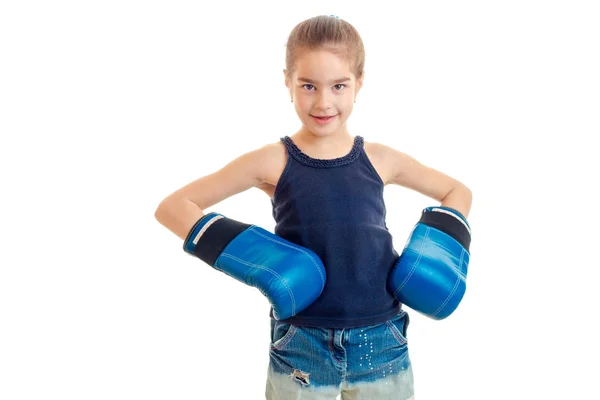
(324, 100)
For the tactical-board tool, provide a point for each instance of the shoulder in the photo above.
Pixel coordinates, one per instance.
(399, 165)
(268, 159)
(381, 157)
(273, 152)
(376, 152)
(374, 148)
(379, 149)
(388, 156)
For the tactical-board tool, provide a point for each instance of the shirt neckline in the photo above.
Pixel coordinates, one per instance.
(321, 162)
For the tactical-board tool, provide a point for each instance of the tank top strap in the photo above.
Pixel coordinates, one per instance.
(305, 159)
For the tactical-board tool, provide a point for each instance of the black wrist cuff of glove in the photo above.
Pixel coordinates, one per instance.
(210, 235)
(448, 224)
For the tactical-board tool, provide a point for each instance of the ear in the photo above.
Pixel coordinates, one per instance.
(287, 84)
(359, 83)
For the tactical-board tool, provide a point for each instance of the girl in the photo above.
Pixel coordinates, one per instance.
(326, 189)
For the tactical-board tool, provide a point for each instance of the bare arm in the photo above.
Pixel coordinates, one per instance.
(179, 211)
(410, 173)
(178, 216)
(460, 199)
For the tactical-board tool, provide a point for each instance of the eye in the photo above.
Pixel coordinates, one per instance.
(339, 84)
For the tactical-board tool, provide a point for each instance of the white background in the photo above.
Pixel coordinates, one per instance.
(108, 107)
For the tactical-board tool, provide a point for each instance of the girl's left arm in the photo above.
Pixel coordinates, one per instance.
(410, 173)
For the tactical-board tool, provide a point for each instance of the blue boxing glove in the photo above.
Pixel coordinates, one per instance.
(430, 275)
(292, 277)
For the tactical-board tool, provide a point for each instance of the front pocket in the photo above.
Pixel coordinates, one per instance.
(398, 326)
(281, 334)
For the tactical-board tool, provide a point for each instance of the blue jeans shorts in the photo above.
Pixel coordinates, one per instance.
(369, 362)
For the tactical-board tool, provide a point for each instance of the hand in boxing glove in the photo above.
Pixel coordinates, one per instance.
(292, 277)
(430, 275)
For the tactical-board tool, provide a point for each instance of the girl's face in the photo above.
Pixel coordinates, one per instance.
(323, 85)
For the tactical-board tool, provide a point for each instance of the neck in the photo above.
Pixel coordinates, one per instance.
(324, 147)
(336, 139)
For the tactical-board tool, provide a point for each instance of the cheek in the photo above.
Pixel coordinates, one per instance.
(302, 104)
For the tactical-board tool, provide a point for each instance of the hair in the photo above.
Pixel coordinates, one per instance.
(326, 33)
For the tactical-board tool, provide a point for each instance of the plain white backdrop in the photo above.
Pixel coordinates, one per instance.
(108, 107)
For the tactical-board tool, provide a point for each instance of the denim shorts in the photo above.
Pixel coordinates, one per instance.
(369, 362)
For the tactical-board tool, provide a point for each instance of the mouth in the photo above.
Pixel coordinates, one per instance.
(324, 119)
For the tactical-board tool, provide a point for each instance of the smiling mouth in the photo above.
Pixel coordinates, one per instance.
(323, 116)
(324, 120)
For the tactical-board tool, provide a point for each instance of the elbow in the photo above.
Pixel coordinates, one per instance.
(162, 210)
(158, 212)
(460, 199)
(467, 200)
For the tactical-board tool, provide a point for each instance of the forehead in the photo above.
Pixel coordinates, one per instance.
(321, 66)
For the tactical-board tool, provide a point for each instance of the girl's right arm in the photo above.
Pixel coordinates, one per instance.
(179, 211)
(292, 277)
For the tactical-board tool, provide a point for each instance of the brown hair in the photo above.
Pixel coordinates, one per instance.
(326, 33)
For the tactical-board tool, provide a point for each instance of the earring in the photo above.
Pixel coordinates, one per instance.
(292, 100)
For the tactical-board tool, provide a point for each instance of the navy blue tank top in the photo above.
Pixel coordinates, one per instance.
(335, 207)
